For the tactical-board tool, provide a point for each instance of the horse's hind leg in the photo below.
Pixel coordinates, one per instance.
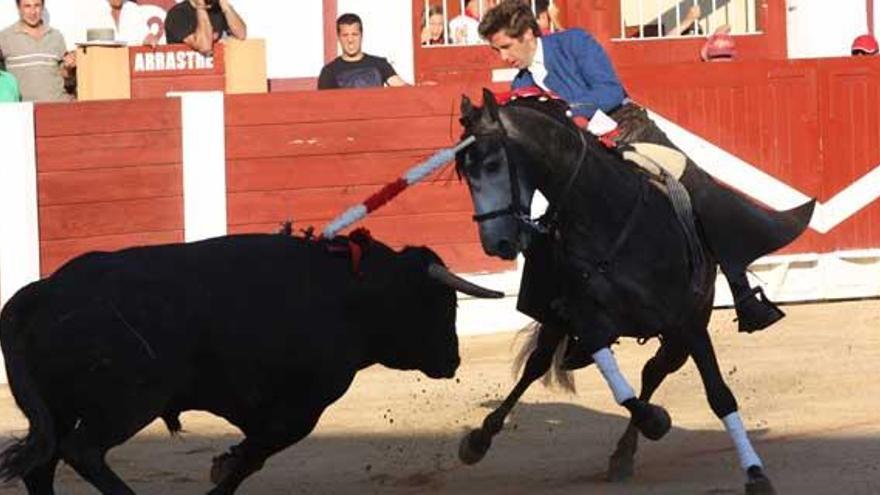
(668, 359)
(476, 443)
(723, 404)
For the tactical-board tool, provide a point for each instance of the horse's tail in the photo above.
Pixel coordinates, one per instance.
(38, 447)
(556, 376)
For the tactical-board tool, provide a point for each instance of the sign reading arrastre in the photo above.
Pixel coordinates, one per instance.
(174, 59)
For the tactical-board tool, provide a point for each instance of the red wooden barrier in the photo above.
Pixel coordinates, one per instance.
(812, 124)
(108, 176)
(309, 156)
(109, 173)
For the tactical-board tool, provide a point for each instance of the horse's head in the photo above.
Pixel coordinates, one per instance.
(500, 186)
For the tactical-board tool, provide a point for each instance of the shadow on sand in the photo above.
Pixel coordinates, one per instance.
(554, 448)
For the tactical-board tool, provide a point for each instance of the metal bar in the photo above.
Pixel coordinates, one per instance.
(445, 24)
(709, 18)
(659, 18)
(641, 19)
(678, 16)
(427, 15)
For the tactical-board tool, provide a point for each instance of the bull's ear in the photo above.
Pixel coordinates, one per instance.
(490, 104)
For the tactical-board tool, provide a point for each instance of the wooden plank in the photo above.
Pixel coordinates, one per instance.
(106, 117)
(124, 149)
(343, 105)
(305, 172)
(114, 218)
(53, 254)
(318, 204)
(159, 87)
(332, 138)
(106, 185)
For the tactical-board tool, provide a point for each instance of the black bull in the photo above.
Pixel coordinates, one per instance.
(265, 331)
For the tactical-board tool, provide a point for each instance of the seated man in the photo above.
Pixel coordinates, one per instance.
(547, 16)
(128, 24)
(354, 68)
(465, 27)
(201, 23)
(36, 55)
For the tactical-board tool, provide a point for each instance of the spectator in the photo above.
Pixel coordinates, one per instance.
(432, 27)
(864, 45)
(354, 68)
(719, 47)
(9, 92)
(688, 25)
(128, 24)
(465, 27)
(36, 55)
(200, 23)
(547, 16)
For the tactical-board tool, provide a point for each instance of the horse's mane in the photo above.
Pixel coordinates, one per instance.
(553, 107)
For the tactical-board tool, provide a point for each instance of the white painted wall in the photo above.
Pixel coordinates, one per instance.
(822, 28)
(387, 31)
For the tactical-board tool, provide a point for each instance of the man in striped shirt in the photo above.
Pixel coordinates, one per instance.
(36, 55)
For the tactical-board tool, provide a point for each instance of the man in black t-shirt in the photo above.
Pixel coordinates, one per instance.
(200, 23)
(354, 68)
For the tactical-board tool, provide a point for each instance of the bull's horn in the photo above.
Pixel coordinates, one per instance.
(443, 275)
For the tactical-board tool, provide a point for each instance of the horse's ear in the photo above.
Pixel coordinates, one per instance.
(467, 108)
(490, 104)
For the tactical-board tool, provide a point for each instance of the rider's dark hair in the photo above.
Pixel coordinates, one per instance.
(514, 17)
(348, 20)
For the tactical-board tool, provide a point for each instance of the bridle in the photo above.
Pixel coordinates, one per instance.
(521, 212)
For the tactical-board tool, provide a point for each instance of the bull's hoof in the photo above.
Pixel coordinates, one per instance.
(759, 483)
(621, 467)
(220, 467)
(473, 447)
(654, 422)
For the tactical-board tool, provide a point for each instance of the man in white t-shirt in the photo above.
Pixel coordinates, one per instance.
(129, 23)
(464, 28)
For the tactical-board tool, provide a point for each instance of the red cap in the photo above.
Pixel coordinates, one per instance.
(864, 44)
(718, 45)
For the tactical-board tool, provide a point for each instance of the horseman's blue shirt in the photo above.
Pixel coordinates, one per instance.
(578, 70)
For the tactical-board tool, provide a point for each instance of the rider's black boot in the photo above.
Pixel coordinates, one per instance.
(753, 310)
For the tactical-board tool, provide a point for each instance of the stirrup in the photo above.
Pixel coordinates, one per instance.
(755, 311)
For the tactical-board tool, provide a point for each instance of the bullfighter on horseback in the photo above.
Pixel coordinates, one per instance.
(574, 66)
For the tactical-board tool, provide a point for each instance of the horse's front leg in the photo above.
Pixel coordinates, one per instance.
(476, 443)
(724, 406)
(669, 358)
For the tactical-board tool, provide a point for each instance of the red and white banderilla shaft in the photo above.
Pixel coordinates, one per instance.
(389, 191)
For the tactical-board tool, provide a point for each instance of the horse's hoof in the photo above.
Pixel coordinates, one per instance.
(220, 467)
(654, 423)
(620, 468)
(473, 447)
(759, 483)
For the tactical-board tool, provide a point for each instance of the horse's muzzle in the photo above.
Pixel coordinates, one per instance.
(503, 249)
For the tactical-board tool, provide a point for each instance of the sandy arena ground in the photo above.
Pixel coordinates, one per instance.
(808, 392)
